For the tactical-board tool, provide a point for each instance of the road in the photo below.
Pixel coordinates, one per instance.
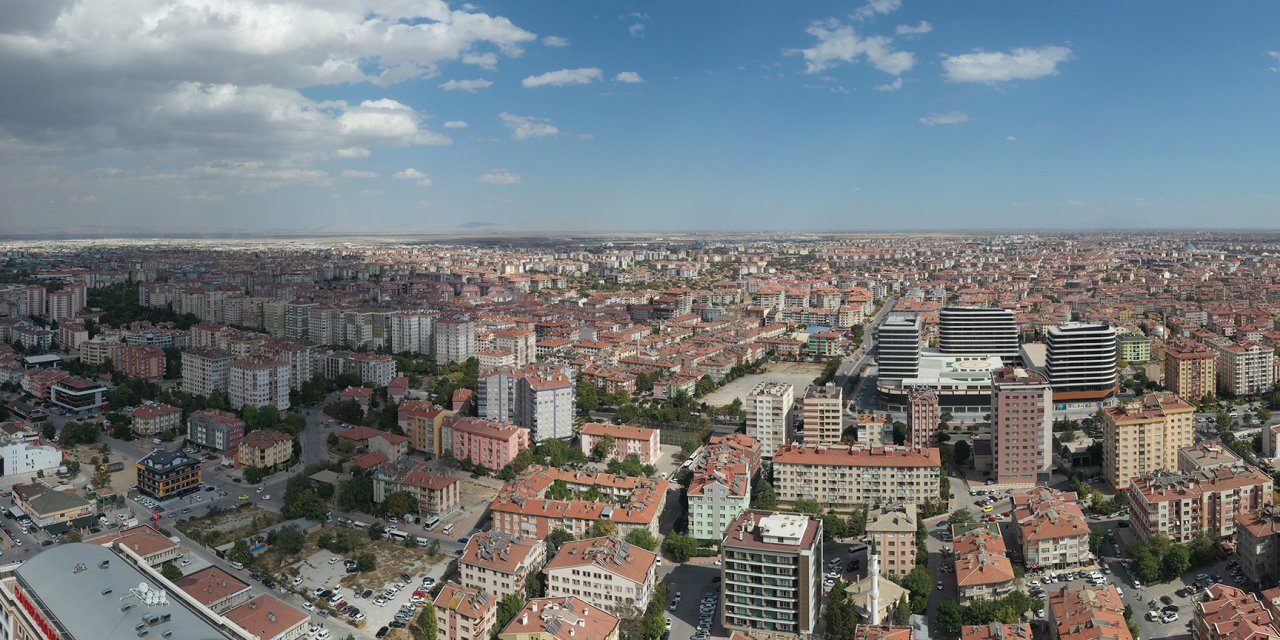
(863, 396)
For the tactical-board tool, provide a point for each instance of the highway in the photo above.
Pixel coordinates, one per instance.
(856, 361)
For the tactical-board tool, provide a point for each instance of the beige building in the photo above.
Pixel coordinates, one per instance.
(1190, 370)
(205, 371)
(1244, 368)
(213, 587)
(844, 477)
(609, 573)
(258, 381)
(1144, 436)
(150, 419)
(498, 563)
(894, 531)
(266, 617)
(769, 413)
(264, 448)
(823, 410)
(463, 613)
(1051, 529)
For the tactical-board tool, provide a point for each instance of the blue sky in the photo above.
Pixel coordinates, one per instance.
(347, 115)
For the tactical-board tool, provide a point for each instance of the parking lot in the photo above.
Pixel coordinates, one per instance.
(692, 582)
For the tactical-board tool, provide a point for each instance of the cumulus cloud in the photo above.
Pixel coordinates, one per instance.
(890, 86)
(1024, 63)
(352, 173)
(487, 60)
(1276, 55)
(526, 127)
(352, 152)
(954, 117)
(417, 177)
(636, 30)
(1011, 138)
(908, 30)
(564, 78)
(501, 177)
(838, 43)
(470, 86)
(628, 77)
(555, 41)
(456, 124)
(877, 7)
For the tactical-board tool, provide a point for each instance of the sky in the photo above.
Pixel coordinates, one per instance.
(421, 116)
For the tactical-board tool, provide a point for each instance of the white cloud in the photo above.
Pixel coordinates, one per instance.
(424, 204)
(877, 7)
(502, 177)
(889, 87)
(90, 199)
(526, 127)
(908, 30)
(628, 77)
(1276, 55)
(456, 124)
(353, 173)
(636, 30)
(387, 120)
(1077, 203)
(838, 43)
(419, 178)
(555, 41)
(487, 60)
(352, 152)
(470, 86)
(564, 78)
(1011, 138)
(1024, 63)
(954, 117)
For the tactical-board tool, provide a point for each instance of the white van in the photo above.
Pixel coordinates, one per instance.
(448, 528)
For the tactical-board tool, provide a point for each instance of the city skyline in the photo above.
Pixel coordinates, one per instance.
(373, 117)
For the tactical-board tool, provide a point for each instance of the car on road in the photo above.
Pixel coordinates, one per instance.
(243, 497)
(939, 585)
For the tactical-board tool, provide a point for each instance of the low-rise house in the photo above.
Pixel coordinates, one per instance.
(983, 569)
(47, 507)
(154, 548)
(464, 613)
(153, 418)
(1051, 529)
(609, 573)
(522, 509)
(1228, 613)
(268, 618)
(213, 587)
(1086, 613)
(499, 564)
(628, 441)
(390, 445)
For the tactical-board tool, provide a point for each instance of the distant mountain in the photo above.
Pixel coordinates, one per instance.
(477, 225)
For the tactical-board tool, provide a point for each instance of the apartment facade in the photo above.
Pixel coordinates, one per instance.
(769, 415)
(258, 381)
(1022, 425)
(464, 613)
(844, 477)
(205, 371)
(545, 405)
(1190, 370)
(521, 508)
(1144, 436)
(264, 448)
(720, 489)
(521, 343)
(1244, 368)
(1051, 529)
(498, 563)
(570, 618)
(898, 341)
(1258, 544)
(455, 339)
(143, 361)
(1183, 505)
(924, 416)
(893, 532)
(983, 569)
(823, 414)
(772, 574)
(492, 445)
(150, 419)
(163, 474)
(1081, 361)
(424, 424)
(978, 332)
(215, 429)
(609, 573)
(628, 441)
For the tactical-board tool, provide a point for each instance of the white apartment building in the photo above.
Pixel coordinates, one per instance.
(497, 563)
(772, 573)
(258, 381)
(720, 489)
(977, 332)
(205, 371)
(411, 332)
(843, 477)
(1244, 368)
(609, 573)
(545, 405)
(376, 370)
(522, 343)
(769, 414)
(823, 410)
(22, 452)
(455, 339)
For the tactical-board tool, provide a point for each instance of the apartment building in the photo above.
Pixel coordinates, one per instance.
(521, 343)
(423, 423)
(499, 564)
(214, 429)
(410, 332)
(874, 430)
(1207, 456)
(823, 412)
(924, 416)
(1244, 368)
(1086, 613)
(1228, 613)
(521, 508)
(205, 371)
(769, 415)
(1183, 505)
(77, 394)
(627, 441)
(145, 361)
(983, 569)
(893, 532)
(492, 445)
(772, 573)
(164, 474)
(1190, 370)
(101, 348)
(153, 418)
(1144, 436)
(1022, 425)
(843, 477)
(1081, 362)
(1258, 544)
(720, 489)
(376, 369)
(898, 341)
(264, 448)
(977, 332)
(546, 405)
(437, 495)
(258, 381)
(455, 339)
(1134, 347)
(464, 613)
(609, 573)
(22, 451)
(570, 618)
(1051, 529)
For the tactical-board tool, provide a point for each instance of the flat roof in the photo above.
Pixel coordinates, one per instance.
(89, 593)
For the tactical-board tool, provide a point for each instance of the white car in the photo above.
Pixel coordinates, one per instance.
(297, 581)
(185, 562)
(333, 560)
(309, 607)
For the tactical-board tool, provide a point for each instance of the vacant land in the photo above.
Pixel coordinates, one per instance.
(797, 374)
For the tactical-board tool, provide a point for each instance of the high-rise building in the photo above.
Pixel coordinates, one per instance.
(297, 321)
(977, 332)
(924, 415)
(892, 530)
(1144, 436)
(1021, 425)
(823, 410)
(258, 381)
(455, 339)
(1244, 368)
(772, 573)
(205, 371)
(769, 414)
(411, 332)
(1185, 505)
(1081, 361)
(1190, 370)
(545, 404)
(522, 343)
(898, 347)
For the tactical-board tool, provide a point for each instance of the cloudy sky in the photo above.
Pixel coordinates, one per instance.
(423, 116)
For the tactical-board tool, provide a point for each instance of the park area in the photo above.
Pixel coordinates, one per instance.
(797, 374)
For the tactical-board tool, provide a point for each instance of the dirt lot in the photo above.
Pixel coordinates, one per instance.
(797, 374)
(229, 525)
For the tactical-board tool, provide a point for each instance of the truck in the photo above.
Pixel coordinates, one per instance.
(131, 522)
(113, 467)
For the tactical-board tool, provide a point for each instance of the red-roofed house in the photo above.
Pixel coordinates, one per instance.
(492, 445)
(628, 441)
(268, 618)
(360, 394)
(390, 445)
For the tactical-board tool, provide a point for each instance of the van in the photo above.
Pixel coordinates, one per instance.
(156, 441)
(448, 528)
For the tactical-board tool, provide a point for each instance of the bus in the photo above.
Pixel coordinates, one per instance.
(431, 523)
(396, 534)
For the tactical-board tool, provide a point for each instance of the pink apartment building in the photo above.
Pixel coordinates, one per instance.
(627, 441)
(144, 361)
(1022, 419)
(492, 445)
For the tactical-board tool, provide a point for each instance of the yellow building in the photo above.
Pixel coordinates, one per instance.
(1145, 435)
(422, 422)
(264, 448)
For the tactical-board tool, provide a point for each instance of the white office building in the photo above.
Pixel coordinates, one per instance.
(898, 347)
(1081, 361)
(977, 332)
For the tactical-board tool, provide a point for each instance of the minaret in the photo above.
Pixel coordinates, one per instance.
(873, 572)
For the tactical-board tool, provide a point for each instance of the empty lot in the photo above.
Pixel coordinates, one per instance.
(797, 374)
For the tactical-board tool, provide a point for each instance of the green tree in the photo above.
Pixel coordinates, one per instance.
(559, 490)
(377, 531)
(1097, 537)
(680, 546)
(919, 584)
(556, 539)
(960, 516)
(508, 607)
(642, 538)
(962, 451)
(842, 619)
(1175, 562)
(254, 475)
(902, 612)
(900, 433)
(240, 553)
(950, 616)
(428, 627)
(587, 398)
(605, 447)
(171, 572)
(603, 528)
(288, 540)
(805, 505)
(401, 502)
(366, 562)
(356, 494)
(834, 527)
